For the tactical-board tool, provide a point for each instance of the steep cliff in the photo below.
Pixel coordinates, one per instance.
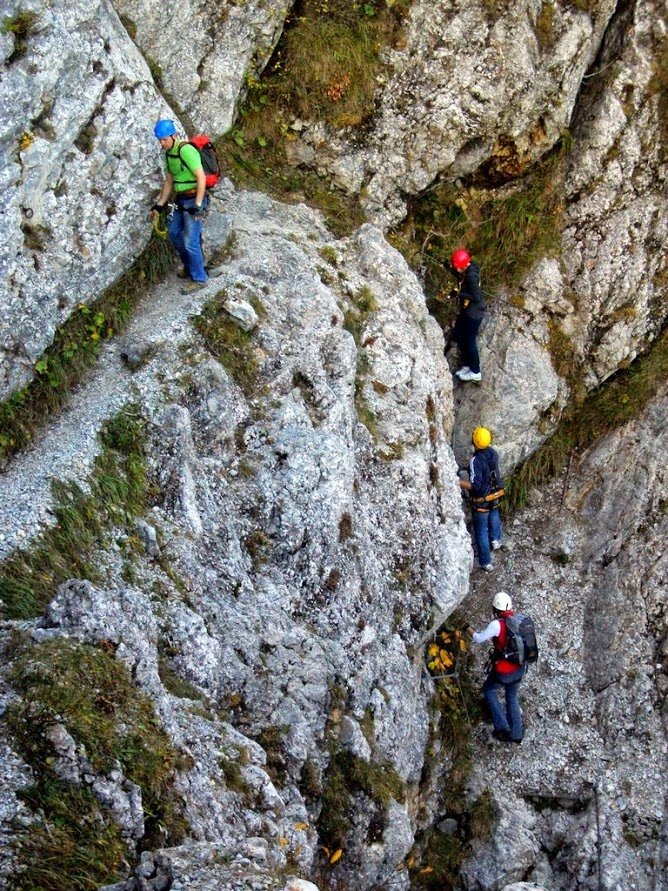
(222, 562)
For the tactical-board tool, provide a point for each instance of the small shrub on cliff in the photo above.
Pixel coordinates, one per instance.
(231, 345)
(21, 27)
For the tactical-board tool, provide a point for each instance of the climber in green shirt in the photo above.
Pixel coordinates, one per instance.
(185, 179)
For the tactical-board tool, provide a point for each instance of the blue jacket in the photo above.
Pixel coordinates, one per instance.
(483, 464)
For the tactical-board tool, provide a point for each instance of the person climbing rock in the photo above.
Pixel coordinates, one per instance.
(470, 316)
(502, 674)
(485, 488)
(185, 179)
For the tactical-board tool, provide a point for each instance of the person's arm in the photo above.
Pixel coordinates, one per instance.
(200, 176)
(492, 630)
(165, 192)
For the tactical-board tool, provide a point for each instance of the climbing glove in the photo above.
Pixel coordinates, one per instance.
(195, 211)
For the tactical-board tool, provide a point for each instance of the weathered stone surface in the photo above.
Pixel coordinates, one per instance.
(472, 85)
(79, 161)
(204, 52)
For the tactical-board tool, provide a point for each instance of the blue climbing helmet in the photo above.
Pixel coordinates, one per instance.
(164, 128)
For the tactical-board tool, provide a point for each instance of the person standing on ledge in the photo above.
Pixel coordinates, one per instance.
(471, 312)
(502, 674)
(485, 488)
(185, 178)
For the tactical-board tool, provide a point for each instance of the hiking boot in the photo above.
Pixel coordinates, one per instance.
(502, 736)
(215, 272)
(470, 376)
(496, 545)
(462, 370)
(191, 287)
(488, 567)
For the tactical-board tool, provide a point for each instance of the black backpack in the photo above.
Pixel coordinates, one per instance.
(521, 646)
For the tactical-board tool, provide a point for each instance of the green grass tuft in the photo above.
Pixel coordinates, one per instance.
(234, 348)
(72, 846)
(119, 491)
(92, 694)
(346, 775)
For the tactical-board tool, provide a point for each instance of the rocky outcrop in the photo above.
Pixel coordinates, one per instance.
(78, 104)
(312, 521)
(201, 53)
(470, 87)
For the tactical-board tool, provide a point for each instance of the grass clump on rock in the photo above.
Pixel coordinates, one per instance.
(234, 348)
(85, 690)
(616, 402)
(118, 492)
(75, 348)
(324, 69)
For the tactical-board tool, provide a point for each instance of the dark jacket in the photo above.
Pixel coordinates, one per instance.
(484, 463)
(471, 303)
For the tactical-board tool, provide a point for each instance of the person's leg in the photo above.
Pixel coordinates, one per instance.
(472, 357)
(489, 690)
(495, 527)
(481, 532)
(513, 712)
(175, 229)
(459, 339)
(192, 240)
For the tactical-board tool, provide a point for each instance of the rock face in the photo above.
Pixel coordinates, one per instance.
(472, 85)
(202, 53)
(312, 551)
(585, 793)
(78, 104)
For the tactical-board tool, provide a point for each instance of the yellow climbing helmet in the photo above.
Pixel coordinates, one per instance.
(481, 437)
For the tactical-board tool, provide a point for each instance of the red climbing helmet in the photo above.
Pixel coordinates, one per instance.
(460, 259)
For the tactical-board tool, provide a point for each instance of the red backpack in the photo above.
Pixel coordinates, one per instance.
(207, 152)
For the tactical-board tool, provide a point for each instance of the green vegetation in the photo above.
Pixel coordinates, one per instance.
(505, 230)
(324, 69)
(436, 859)
(74, 844)
(234, 348)
(119, 491)
(346, 775)
(355, 318)
(21, 26)
(620, 399)
(75, 349)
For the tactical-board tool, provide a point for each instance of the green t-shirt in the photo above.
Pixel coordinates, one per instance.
(182, 161)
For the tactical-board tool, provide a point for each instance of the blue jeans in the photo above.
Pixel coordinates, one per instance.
(486, 528)
(465, 334)
(509, 720)
(185, 233)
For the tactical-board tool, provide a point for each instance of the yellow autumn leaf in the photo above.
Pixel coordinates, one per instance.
(327, 851)
(462, 645)
(336, 856)
(431, 665)
(445, 636)
(283, 842)
(433, 649)
(301, 826)
(410, 863)
(426, 870)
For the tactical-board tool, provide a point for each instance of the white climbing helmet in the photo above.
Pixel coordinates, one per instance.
(502, 602)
